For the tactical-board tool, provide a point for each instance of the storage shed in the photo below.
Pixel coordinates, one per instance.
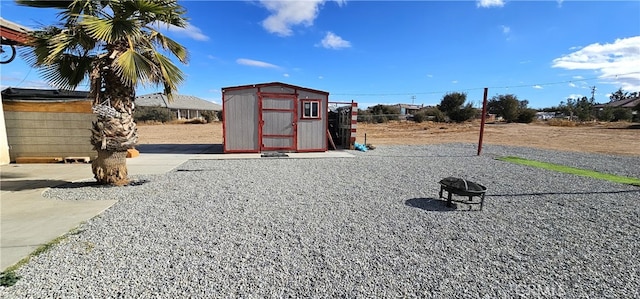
(274, 117)
(47, 125)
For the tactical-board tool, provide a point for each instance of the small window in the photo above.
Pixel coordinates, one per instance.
(310, 109)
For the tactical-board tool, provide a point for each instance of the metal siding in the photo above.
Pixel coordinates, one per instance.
(278, 121)
(277, 142)
(312, 133)
(272, 103)
(241, 120)
(277, 89)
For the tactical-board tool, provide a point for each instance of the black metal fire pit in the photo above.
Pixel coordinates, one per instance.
(462, 187)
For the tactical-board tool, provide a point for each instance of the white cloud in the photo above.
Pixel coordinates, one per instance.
(256, 63)
(454, 81)
(617, 62)
(285, 14)
(572, 84)
(578, 77)
(190, 31)
(320, 77)
(559, 2)
(285, 75)
(505, 29)
(537, 87)
(332, 41)
(430, 75)
(490, 3)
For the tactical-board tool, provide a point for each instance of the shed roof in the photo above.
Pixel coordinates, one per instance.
(30, 94)
(270, 84)
(179, 102)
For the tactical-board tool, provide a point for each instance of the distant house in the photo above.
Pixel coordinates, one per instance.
(629, 103)
(408, 109)
(183, 106)
(545, 115)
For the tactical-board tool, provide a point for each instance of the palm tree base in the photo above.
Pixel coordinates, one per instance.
(110, 168)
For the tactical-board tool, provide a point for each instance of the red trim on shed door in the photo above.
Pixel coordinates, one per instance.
(272, 126)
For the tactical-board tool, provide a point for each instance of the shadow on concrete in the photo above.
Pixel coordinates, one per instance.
(5, 175)
(94, 184)
(180, 148)
(629, 127)
(21, 185)
(429, 204)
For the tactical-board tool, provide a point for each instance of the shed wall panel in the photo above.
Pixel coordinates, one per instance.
(312, 133)
(277, 142)
(271, 103)
(241, 120)
(49, 134)
(277, 89)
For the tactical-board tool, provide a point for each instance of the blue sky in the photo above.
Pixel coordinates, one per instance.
(388, 52)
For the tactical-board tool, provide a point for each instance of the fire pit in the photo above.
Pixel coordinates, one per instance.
(462, 187)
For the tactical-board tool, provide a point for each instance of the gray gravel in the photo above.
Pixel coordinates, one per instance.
(369, 226)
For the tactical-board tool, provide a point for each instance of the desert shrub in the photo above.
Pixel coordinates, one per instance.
(209, 115)
(527, 115)
(197, 121)
(159, 114)
(463, 114)
(435, 114)
(561, 122)
(606, 114)
(453, 106)
(420, 116)
(622, 114)
(384, 113)
(364, 116)
(380, 119)
(220, 115)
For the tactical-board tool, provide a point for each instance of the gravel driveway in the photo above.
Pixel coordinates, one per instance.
(369, 226)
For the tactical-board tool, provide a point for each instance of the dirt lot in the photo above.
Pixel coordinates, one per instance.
(608, 138)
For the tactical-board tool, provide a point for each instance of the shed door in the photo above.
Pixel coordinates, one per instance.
(278, 122)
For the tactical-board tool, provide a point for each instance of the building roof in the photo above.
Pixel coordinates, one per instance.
(29, 94)
(274, 84)
(14, 32)
(179, 102)
(626, 103)
(409, 106)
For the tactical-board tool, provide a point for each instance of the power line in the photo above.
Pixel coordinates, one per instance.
(481, 88)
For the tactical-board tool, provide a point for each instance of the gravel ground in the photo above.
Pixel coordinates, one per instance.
(369, 226)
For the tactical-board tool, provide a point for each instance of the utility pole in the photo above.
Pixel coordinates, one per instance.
(593, 93)
(412, 99)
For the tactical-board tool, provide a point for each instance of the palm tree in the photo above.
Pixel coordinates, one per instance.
(114, 45)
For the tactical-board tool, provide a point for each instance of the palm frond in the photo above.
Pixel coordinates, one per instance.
(169, 44)
(110, 29)
(132, 67)
(171, 75)
(68, 72)
(166, 11)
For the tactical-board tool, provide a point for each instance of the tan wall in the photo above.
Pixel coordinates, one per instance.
(49, 134)
(4, 144)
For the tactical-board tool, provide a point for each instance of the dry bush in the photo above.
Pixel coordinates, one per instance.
(188, 121)
(559, 122)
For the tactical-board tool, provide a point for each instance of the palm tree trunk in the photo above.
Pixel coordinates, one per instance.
(113, 133)
(110, 168)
